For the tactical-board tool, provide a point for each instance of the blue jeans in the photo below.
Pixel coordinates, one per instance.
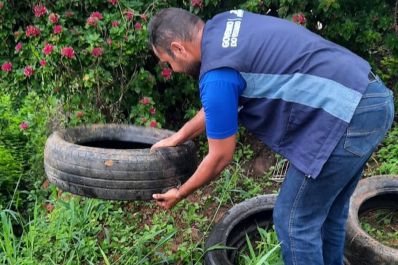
(310, 214)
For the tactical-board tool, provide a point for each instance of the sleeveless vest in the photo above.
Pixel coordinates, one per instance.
(301, 90)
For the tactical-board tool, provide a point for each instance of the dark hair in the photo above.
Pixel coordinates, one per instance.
(171, 24)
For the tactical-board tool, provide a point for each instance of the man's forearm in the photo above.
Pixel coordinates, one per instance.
(207, 170)
(219, 156)
(192, 128)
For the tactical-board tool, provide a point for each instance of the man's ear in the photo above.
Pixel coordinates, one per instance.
(177, 48)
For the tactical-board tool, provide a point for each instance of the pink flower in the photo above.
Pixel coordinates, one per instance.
(166, 73)
(68, 52)
(53, 18)
(144, 17)
(57, 29)
(6, 67)
(97, 15)
(23, 125)
(129, 14)
(32, 31)
(79, 114)
(43, 63)
(97, 52)
(39, 10)
(153, 124)
(115, 23)
(92, 21)
(299, 19)
(109, 41)
(28, 71)
(138, 26)
(145, 101)
(197, 3)
(113, 2)
(152, 111)
(48, 48)
(18, 47)
(94, 18)
(1, 5)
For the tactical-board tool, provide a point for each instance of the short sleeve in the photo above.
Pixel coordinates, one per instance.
(219, 93)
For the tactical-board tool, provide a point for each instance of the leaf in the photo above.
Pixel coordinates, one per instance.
(104, 256)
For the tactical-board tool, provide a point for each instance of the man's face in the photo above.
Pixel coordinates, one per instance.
(180, 63)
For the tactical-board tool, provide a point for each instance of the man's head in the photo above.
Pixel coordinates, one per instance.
(175, 36)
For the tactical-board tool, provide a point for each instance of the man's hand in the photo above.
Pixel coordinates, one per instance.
(167, 200)
(191, 129)
(167, 142)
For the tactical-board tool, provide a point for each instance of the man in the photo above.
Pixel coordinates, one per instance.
(314, 102)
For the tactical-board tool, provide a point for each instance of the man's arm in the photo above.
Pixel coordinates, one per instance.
(219, 156)
(190, 130)
(219, 93)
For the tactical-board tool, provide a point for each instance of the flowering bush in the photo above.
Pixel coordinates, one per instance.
(92, 59)
(92, 56)
(146, 114)
(65, 63)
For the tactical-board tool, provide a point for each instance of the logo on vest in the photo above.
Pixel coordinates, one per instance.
(230, 38)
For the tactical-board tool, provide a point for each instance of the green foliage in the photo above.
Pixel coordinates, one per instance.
(111, 72)
(145, 113)
(23, 133)
(12, 143)
(109, 64)
(388, 154)
(381, 225)
(267, 250)
(82, 231)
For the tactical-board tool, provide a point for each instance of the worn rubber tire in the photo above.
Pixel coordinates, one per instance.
(116, 174)
(232, 228)
(242, 219)
(371, 193)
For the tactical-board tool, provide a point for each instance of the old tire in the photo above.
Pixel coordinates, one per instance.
(231, 230)
(75, 160)
(371, 193)
(242, 219)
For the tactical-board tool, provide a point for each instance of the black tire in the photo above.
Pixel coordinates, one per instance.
(242, 219)
(112, 161)
(371, 193)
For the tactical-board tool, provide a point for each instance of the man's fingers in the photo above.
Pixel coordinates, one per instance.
(152, 150)
(157, 196)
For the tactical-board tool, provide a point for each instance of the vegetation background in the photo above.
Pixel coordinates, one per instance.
(67, 63)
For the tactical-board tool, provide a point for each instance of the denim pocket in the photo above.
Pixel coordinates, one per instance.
(368, 125)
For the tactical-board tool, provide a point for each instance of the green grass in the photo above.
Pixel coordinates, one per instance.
(382, 224)
(266, 250)
(55, 228)
(66, 229)
(388, 154)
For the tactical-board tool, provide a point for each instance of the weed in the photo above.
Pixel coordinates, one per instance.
(266, 252)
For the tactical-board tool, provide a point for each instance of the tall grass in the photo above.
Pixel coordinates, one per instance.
(265, 252)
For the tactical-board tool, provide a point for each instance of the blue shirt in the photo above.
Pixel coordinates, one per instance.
(219, 92)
